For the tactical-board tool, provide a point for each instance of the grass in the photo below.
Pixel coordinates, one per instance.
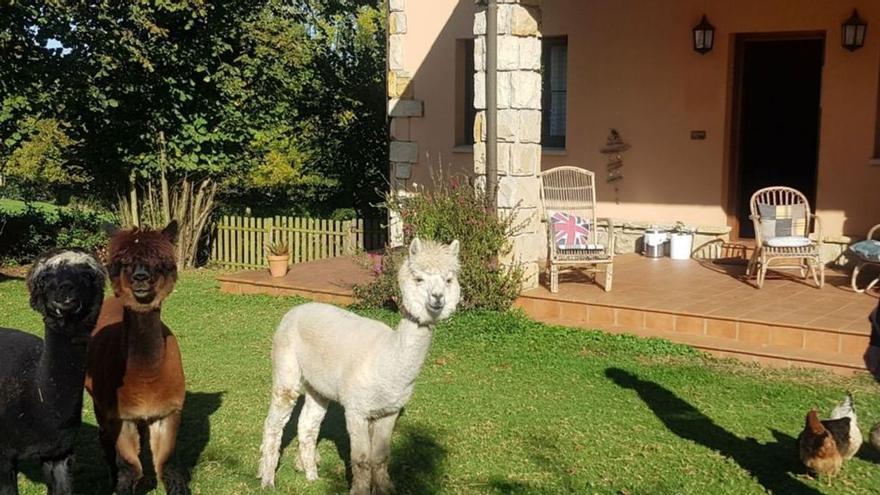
(503, 405)
(16, 206)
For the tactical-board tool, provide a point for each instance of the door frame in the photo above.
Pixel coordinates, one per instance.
(734, 141)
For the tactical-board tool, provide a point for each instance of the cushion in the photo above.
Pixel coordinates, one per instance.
(868, 250)
(569, 231)
(782, 220)
(788, 241)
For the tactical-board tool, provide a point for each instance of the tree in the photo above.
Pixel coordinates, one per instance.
(162, 104)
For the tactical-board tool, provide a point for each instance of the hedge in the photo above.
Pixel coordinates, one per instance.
(27, 229)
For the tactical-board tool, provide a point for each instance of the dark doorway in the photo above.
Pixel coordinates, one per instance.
(779, 85)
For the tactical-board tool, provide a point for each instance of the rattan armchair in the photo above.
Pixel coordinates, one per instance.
(782, 219)
(571, 190)
(866, 252)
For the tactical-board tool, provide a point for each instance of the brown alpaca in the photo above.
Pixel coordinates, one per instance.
(134, 372)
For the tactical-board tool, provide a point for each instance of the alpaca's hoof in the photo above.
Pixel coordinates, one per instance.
(267, 482)
(384, 488)
(175, 484)
(382, 484)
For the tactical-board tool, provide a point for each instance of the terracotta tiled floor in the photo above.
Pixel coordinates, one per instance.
(708, 289)
(330, 280)
(709, 306)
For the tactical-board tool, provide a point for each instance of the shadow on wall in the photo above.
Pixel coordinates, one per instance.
(416, 456)
(772, 464)
(91, 471)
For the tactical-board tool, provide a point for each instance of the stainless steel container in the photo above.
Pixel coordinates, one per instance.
(653, 243)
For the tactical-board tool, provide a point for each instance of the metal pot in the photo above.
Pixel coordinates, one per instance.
(653, 243)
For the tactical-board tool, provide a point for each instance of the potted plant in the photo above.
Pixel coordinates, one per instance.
(681, 241)
(279, 257)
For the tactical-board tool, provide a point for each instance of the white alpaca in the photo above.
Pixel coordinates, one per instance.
(330, 354)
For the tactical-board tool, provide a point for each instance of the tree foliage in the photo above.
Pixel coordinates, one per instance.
(279, 102)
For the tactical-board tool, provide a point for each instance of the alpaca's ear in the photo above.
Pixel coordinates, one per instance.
(454, 247)
(170, 232)
(110, 229)
(415, 246)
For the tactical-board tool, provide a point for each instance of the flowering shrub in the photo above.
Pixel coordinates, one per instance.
(453, 209)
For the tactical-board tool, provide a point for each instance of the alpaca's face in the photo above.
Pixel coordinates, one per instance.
(66, 285)
(429, 281)
(143, 268)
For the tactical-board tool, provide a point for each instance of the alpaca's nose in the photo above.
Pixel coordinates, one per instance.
(438, 300)
(140, 274)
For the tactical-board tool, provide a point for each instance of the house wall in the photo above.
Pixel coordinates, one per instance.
(631, 67)
(429, 55)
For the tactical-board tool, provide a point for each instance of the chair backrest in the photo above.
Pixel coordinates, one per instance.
(781, 196)
(570, 190)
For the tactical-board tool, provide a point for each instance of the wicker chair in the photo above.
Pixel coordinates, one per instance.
(571, 190)
(782, 216)
(866, 252)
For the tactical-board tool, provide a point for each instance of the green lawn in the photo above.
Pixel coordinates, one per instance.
(503, 405)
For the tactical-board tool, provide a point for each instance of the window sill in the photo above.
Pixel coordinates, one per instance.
(463, 148)
(554, 151)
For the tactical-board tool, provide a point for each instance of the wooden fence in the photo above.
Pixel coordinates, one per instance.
(242, 242)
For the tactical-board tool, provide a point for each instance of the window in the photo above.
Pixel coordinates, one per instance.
(554, 66)
(465, 112)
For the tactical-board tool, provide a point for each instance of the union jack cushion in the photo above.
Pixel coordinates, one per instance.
(570, 231)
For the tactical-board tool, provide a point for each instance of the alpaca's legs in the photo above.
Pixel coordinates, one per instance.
(58, 474)
(359, 434)
(163, 436)
(380, 445)
(108, 432)
(280, 407)
(8, 478)
(313, 411)
(127, 460)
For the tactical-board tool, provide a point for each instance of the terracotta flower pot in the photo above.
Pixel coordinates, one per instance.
(278, 265)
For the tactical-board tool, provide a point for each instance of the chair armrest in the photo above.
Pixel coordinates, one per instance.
(817, 227)
(756, 222)
(610, 229)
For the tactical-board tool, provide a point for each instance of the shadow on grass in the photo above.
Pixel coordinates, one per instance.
(416, 457)
(92, 474)
(771, 463)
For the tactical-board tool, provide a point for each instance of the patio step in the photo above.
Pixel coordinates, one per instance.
(773, 344)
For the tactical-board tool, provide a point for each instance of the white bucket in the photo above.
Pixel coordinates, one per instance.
(680, 246)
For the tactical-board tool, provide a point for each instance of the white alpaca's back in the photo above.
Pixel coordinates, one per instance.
(331, 346)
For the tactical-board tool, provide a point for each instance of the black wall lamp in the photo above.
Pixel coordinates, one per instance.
(704, 36)
(854, 30)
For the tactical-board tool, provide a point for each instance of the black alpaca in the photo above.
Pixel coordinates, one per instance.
(41, 384)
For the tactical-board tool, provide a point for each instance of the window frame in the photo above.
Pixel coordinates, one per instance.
(548, 141)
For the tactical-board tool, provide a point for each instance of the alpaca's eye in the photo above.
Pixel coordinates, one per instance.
(449, 280)
(419, 280)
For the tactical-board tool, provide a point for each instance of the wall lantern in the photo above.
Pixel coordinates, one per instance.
(854, 30)
(704, 36)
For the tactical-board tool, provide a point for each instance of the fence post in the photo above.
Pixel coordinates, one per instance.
(349, 237)
(268, 238)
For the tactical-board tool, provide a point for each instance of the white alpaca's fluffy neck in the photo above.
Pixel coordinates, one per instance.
(411, 344)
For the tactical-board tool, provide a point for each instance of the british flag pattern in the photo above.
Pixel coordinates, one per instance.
(570, 231)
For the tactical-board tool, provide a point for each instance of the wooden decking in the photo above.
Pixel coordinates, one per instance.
(787, 323)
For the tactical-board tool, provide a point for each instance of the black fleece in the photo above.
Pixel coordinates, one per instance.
(41, 382)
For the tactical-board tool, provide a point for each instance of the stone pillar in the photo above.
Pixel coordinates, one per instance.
(403, 151)
(519, 126)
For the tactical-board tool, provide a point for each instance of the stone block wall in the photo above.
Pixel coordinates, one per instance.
(403, 152)
(519, 125)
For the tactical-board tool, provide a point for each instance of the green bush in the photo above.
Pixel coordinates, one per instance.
(454, 209)
(27, 229)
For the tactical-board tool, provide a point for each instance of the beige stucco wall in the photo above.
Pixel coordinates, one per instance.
(631, 67)
(433, 27)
